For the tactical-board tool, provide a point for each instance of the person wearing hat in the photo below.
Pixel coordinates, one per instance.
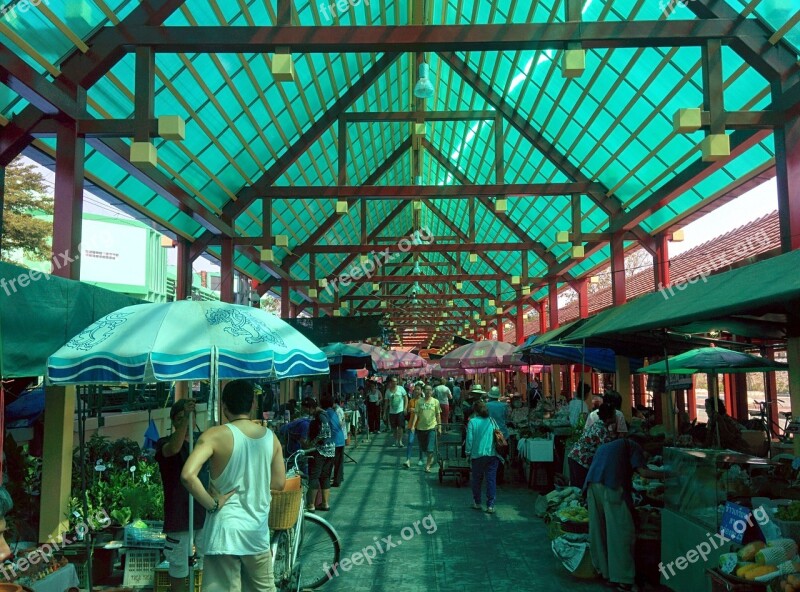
(475, 393)
(171, 454)
(498, 410)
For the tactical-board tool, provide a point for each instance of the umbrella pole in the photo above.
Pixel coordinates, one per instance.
(192, 420)
(712, 378)
(667, 393)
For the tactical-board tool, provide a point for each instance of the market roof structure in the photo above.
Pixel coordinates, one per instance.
(550, 144)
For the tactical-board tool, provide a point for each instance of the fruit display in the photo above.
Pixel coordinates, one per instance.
(789, 583)
(748, 552)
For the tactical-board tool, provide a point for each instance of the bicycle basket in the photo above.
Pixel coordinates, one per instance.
(284, 509)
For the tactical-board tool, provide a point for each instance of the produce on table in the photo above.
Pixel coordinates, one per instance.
(790, 513)
(748, 552)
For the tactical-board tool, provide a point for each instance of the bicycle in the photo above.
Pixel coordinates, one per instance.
(304, 555)
(762, 421)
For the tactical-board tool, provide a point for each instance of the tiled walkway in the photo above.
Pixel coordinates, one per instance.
(461, 550)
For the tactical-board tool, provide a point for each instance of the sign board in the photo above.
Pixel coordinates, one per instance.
(679, 382)
(734, 521)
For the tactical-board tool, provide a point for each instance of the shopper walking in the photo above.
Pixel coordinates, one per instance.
(397, 404)
(444, 396)
(171, 454)
(426, 422)
(245, 461)
(481, 451)
(337, 434)
(412, 402)
(374, 402)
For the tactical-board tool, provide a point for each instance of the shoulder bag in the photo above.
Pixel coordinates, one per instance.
(500, 442)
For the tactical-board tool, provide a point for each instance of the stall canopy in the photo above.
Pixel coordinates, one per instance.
(765, 292)
(42, 315)
(600, 358)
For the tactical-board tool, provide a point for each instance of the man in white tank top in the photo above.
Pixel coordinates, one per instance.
(246, 461)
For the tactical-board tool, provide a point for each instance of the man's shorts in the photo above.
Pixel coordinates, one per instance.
(397, 420)
(427, 440)
(177, 551)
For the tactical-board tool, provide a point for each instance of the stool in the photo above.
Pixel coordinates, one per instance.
(540, 476)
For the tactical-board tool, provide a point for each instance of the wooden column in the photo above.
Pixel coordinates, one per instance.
(618, 288)
(542, 317)
(183, 281)
(519, 326)
(582, 288)
(500, 329)
(552, 299)
(226, 270)
(555, 379)
(740, 393)
(691, 400)
(68, 200)
(623, 381)
(59, 418)
(787, 169)
(286, 309)
(771, 390)
(661, 262)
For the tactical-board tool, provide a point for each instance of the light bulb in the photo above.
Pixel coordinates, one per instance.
(423, 89)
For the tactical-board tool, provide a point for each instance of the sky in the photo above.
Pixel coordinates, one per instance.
(754, 204)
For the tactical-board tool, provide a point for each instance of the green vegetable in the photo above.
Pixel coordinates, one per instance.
(790, 513)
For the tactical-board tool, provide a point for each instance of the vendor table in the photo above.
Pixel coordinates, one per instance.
(58, 581)
(537, 453)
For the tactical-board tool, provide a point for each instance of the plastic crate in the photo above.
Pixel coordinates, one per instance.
(161, 581)
(148, 538)
(139, 567)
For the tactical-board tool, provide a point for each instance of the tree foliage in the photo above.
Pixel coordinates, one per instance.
(26, 195)
(636, 261)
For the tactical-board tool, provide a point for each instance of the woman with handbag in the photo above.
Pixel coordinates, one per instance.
(483, 437)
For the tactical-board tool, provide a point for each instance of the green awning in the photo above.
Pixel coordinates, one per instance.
(771, 286)
(40, 313)
(558, 333)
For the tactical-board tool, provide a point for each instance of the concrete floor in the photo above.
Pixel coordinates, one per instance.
(461, 550)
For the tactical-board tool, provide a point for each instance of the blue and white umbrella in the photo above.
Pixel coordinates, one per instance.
(185, 340)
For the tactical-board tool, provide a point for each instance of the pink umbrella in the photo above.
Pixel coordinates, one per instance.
(391, 359)
(439, 372)
(479, 354)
